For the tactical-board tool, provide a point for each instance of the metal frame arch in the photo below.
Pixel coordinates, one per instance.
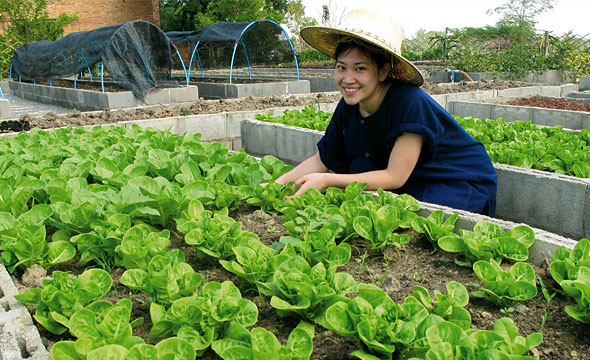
(82, 44)
(231, 68)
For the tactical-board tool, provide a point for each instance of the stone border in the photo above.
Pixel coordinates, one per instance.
(19, 337)
(210, 90)
(88, 100)
(4, 109)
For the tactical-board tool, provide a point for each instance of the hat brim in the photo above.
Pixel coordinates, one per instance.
(325, 40)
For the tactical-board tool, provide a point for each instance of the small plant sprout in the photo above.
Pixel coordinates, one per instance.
(361, 260)
(548, 297)
(507, 310)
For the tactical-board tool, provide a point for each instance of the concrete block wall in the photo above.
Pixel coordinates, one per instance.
(575, 120)
(584, 83)
(96, 13)
(87, 100)
(19, 337)
(4, 109)
(210, 90)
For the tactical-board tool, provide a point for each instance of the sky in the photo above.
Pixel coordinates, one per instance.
(435, 15)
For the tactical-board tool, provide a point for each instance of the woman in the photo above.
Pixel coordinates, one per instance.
(386, 131)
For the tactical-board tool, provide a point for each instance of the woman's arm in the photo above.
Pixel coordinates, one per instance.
(402, 161)
(313, 164)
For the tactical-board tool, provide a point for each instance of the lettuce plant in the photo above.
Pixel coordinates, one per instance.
(320, 246)
(99, 324)
(202, 318)
(140, 244)
(63, 295)
(449, 307)
(259, 343)
(173, 348)
(166, 279)
(488, 241)
(435, 226)
(380, 324)
(255, 262)
(312, 218)
(571, 269)
(23, 240)
(99, 244)
(379, 227)
(502, 286)
(306, 291)
(446, 340)
(271, 197)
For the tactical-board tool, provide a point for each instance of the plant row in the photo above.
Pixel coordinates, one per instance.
(111, 197)
(518, 143)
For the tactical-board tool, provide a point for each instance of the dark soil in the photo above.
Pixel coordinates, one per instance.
(53, 120)
(396, 271)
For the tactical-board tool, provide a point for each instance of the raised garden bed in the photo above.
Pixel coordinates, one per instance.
(393, 269)
(88, 100)
(549, 115)
(563, 207)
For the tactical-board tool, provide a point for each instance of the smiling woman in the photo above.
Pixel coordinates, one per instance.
(386, 131)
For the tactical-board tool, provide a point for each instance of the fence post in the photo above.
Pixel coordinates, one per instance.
(546, 43)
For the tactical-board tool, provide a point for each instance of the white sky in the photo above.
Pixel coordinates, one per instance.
(437, 14)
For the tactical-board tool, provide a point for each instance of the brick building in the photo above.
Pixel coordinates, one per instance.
(93, 14)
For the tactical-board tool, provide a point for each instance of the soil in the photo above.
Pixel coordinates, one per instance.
(550, 103)
(396, 271)
(107, 116)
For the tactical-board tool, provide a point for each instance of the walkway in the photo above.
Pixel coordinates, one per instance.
(20, 106)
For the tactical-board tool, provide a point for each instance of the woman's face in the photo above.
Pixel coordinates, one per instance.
(360, 81)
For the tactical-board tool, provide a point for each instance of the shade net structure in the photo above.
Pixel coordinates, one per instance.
(229, 46)
(136, 55)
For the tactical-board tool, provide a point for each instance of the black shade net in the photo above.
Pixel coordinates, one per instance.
(136, 55)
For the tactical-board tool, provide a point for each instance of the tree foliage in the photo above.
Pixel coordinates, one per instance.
(23, 21)
(522, 14)
(188, 15)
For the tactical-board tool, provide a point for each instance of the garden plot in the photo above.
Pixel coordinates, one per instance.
(88, 100)
(186, 227)
(540, 110)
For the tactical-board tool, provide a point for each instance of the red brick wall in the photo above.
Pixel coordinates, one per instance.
(93, 14)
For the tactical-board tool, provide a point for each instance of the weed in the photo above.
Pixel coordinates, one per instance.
(548, 297)
(507, 310)
(543, 320)
(361, 260)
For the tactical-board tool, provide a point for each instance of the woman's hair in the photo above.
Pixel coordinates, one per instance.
(377, 57)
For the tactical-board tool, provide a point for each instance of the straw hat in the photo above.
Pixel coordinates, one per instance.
(373, 27)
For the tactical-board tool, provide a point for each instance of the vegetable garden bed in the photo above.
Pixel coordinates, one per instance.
(122, 199)
(534, 112)
(563, 208)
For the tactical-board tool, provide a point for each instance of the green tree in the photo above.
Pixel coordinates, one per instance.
(23, 21)
(522, 14)
(181, 15)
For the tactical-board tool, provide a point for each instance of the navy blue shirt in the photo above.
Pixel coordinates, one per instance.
(453, 168)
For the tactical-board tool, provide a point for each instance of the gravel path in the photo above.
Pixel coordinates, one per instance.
(20, 106)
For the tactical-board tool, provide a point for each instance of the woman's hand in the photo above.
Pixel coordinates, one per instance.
(314, 180)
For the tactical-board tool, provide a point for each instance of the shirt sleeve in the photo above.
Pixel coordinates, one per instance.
(419, 116)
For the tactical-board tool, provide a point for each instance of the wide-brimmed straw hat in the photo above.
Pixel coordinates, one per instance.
(377, 29)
